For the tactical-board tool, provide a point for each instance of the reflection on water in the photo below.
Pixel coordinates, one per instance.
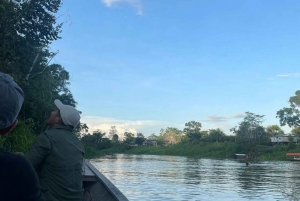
(144, 177)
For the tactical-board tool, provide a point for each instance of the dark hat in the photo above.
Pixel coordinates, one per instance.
(11, 100)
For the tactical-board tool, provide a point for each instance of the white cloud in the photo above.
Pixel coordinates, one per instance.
(289, 75)
(237, 115)
(216, 118)
(104, 124)
(137, 4)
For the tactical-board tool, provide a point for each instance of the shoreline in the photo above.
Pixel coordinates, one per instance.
(209, 151)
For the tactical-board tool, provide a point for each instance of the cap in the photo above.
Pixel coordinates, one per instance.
(69, 115)
(11, 100)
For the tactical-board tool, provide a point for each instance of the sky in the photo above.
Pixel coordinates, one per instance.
(143, 65)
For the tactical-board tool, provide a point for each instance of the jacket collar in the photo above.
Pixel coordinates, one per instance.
(60, 127)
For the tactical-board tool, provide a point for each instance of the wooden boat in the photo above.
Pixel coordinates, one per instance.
(296, 156)
(97, 187)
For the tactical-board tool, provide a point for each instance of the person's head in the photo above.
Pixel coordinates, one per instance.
(11, 100)
(63, 115)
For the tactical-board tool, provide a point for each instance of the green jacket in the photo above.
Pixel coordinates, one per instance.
(57, 156)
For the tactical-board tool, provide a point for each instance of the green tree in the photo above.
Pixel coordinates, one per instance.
(249, 133)
(171, 134)
(290, 116)
(274, 130)
(115, 138)
(96, 140)
(112, 132)
(140, 138)
(216, 135)
(153, 136)
(81, 130)
(20, 139)
(160, 138)
(261, 135)
(296, 131)
(204, 134)
(192, 131)
(128, 138)
(248, 126)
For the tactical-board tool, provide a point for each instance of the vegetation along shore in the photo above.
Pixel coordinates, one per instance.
(27, 30)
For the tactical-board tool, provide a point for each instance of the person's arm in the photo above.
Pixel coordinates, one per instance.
(39, 151)
(28, 183)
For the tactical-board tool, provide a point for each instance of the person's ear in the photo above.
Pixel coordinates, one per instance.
(6, 130)
(58, 120)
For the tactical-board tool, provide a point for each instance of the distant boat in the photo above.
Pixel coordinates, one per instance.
(97, 187)
(239, 156)
(296, 156)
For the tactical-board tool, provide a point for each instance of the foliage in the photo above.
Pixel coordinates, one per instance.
(81, 130)
(205, 150)
(273, 130)
(204, 134)
(96, 153)
(140, 138)
(290, 116)
(27, 29)
(115, 138)
(216, 135)
(128, 138)
(113, 131)
(192, 131)
(20, 139)
(250, 133)
(171, 135)
(296, 131)
(96, 140)
(153, 136)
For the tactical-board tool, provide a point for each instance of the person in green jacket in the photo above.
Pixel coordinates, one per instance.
(57, 156)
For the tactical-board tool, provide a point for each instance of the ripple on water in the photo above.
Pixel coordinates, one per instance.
(142, 177)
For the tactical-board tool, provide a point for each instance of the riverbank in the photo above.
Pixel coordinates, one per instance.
(210, 150)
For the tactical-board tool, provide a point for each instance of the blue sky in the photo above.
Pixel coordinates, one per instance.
(143, 65)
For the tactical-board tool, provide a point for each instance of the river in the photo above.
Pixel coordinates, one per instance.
(159, 178)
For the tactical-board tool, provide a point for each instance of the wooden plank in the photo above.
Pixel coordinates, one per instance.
(116, 193)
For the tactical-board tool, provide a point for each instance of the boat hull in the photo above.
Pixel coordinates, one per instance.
(97, 187)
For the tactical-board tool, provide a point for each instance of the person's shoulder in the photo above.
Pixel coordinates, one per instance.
(11, 160)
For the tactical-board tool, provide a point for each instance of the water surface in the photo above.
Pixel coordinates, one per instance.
(158, 178)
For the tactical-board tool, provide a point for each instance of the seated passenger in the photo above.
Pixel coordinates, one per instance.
(57, 156)
(18, 179)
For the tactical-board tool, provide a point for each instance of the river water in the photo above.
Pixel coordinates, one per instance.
(159, 178)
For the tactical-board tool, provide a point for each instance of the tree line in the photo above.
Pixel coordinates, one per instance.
(248, 134)
(27, 29)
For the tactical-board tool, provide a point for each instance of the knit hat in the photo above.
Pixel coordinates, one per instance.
(11, 100)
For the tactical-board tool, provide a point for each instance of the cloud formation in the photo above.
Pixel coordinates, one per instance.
(137, 4)
(289, 75)
(104, 124)
(216, 118)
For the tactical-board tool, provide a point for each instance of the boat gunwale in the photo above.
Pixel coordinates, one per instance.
(115, 192)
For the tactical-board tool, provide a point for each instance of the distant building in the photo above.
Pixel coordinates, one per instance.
(284, 139)
(150, 142)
